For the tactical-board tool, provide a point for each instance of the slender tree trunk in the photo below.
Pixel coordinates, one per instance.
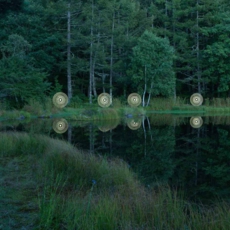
(143, 125)
(69, 83)
(91, 71)
(198, 49)
(145, 88)
(91, 68)
(149, 94)
(111, 59)
(94, 62)
(93, 79)
(103, 81)
(150, 130)
(197, 155)
(151, 87)
(174, 42)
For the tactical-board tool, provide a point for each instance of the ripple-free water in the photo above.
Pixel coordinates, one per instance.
(159, 149)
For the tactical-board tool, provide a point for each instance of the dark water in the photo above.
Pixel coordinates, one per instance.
(161, 149)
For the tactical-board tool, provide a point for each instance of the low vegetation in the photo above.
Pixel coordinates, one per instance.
(49, 184)
(87, 112)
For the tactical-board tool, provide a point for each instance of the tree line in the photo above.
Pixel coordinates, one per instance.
(163, 48)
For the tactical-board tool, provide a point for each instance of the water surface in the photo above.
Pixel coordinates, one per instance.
(163, 149)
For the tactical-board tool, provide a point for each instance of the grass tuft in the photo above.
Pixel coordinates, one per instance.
(49, 184)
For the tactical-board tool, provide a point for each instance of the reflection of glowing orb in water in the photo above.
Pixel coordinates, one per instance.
(134, 125)
(104, 129)
(196, 122)
(134, 99)
(104, 100)
(108, 126)
(60, 100)
(196, 99)
(60, 125)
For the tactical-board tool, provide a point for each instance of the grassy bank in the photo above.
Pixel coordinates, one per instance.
(49, 184)
(86, 112)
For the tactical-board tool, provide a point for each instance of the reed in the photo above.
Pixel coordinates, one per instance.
(15, 114)
(161, 103)
(49, 184)
(45, 108)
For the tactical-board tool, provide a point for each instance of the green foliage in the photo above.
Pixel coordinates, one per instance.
(129, 41)
(152, 65)
(217, 56)
(16, 46)
(19, 81)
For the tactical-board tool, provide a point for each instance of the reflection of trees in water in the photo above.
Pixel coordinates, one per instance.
(196, 159)
(217, 120)
(32, 126)
(148, 151)
(202, 159)
(167, 119)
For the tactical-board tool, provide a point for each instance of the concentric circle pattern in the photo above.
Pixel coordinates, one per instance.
(196, 99)
(196, 122)
(60, 125)
(104, 100)
(134, 99)
(133, 124)
(60, 100)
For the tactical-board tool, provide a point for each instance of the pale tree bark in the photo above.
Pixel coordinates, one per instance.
(150, 130)
(150, 94)
(145, 88)
(69, 78)
(198, 49)
(174, 42)
(91, 71)
(151, 87)
(197, 155)
(143, 126)
(93, 79)
(111, 59)
(103, 82)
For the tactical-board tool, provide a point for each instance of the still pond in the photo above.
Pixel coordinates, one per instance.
(190, 153)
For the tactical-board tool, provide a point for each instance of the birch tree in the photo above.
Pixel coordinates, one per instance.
(152, 66)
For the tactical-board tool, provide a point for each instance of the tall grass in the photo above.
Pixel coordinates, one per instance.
(38, 108)
(217, 105)
(160, 103)
(15, 114)
(64, 188)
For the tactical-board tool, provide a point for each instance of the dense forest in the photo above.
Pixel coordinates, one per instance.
(163, 48)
